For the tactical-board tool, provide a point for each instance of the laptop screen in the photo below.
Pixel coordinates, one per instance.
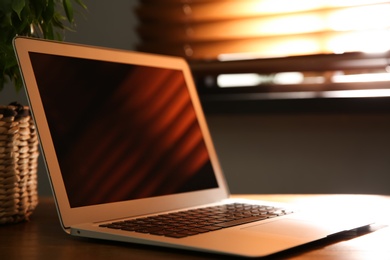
(121, 131)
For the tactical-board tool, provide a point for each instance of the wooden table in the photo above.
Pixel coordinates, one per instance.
(43, 238)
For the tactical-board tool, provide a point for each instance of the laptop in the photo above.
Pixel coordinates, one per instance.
(130, 158)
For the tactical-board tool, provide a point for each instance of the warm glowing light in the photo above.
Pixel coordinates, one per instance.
(292, 24)
(284, 78)
(287, 6)
(278, 6)
(254, 79)
(315, 26)
(288, 78)
(239, 80)
(366, 77)
(365, 41)
(359, 18)
(298, 78)
(281, 28)
(356, 93)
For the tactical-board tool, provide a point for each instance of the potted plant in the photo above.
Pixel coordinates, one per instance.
(37, 18)
(46, 19)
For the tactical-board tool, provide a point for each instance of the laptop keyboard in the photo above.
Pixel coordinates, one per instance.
(192, 222)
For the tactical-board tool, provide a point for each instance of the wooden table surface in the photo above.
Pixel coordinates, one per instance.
(43, 238)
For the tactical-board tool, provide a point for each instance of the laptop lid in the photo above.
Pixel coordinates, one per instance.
(122, 133)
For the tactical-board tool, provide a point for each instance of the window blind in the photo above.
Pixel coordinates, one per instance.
(216, 33)
(212, 29)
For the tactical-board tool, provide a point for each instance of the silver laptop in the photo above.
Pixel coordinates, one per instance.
(130, 158)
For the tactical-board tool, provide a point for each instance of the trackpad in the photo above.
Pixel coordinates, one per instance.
(289, 227)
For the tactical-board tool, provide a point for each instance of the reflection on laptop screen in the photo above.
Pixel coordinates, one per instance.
(121, 131)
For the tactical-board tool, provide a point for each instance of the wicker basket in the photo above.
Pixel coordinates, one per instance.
(18, 164)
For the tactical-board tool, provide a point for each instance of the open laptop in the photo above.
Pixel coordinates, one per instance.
(125, 143)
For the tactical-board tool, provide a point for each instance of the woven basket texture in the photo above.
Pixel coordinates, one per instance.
(18, 164)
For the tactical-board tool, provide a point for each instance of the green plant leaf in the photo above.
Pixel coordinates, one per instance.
(38, 18)
(49, 33)
(5, 6)
(68, 10)
(48, 11)
(17, 6)
(37, 7)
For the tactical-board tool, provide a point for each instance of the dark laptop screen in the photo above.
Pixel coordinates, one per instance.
(121, 131)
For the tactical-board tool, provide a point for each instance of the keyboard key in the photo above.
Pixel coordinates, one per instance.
(192, 222)
(240, 221)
